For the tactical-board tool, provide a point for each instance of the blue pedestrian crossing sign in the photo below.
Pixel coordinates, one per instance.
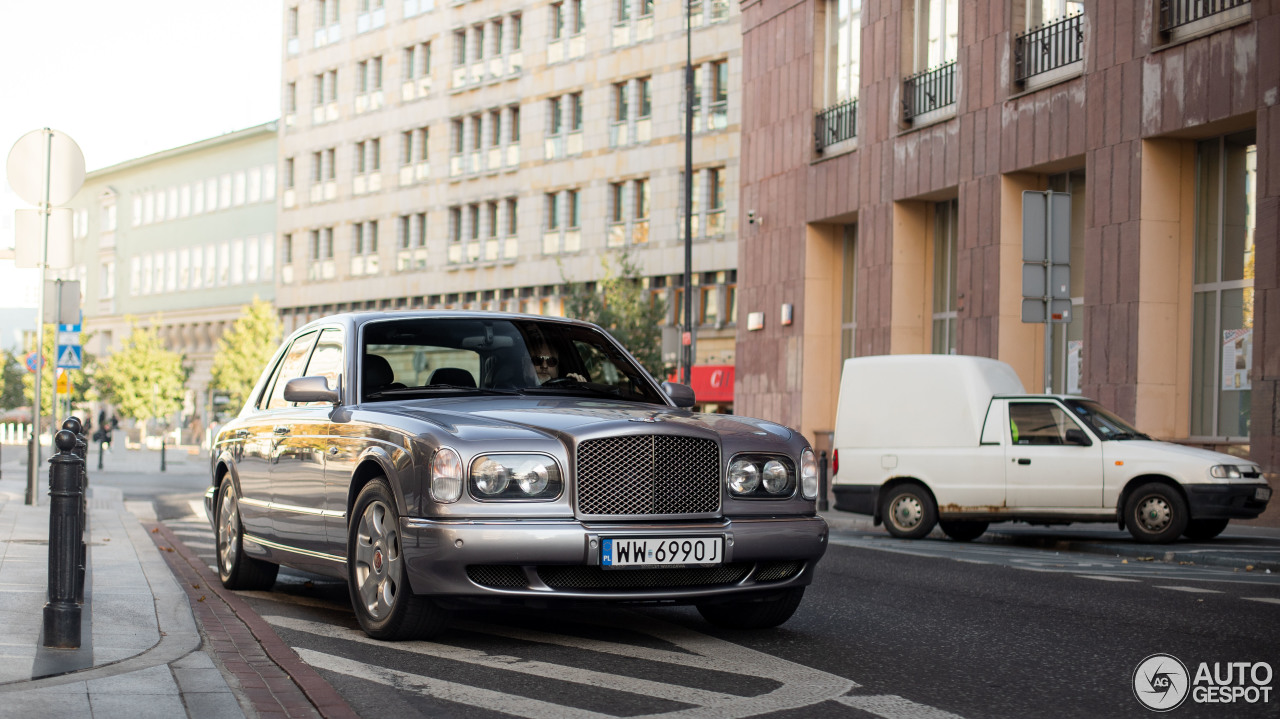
(69, 353)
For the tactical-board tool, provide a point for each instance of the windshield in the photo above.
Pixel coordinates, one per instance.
(423, 357)
(1103, 421)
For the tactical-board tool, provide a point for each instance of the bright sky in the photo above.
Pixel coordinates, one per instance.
(128, 78)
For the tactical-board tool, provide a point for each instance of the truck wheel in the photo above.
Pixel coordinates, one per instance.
(1203, 529)
(1156, 514)
(963, 531)
(909, 511)
(753, 613)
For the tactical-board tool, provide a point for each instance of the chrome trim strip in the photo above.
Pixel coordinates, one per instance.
(421, 523)
(254, 502)
(295, 550)
(269, 506)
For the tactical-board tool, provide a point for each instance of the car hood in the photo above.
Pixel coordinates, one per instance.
(518, 417)
(1156, 450)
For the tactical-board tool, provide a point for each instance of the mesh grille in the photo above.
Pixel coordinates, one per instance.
(496, 575)
(777, 571)
(648, 475)
(578, 577)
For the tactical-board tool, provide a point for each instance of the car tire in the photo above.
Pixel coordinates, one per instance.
(909, 511)
(377, 575)
(759, 613)
(1156, 513)
(1201, 530)
(963, 531)
(235, 569)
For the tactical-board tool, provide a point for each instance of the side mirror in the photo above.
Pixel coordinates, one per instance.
(1076, 436)
(681, 394)
(310, 389)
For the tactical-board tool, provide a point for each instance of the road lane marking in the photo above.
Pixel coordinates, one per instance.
(1268, 600)
(197, 508)
(801, 686)
(1103, 578)
(1194, 590)
(890, 706)
(449, 691)
(630, 685)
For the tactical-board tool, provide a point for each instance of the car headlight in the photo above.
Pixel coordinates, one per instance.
(762, 476)
(744, 477)
(446, 476)
(808, 474)
(1225, 471)
(515, 477)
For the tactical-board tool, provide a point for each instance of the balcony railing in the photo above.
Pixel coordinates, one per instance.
(928, 91)
(1052, 45)
(1176, 13)
(836, 123)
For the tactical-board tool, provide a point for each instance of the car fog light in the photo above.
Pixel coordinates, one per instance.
(490, 477)
(775, 477)
(808, 474)
(744, 477)
(446, 476)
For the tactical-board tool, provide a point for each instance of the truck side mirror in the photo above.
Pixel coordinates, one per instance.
(1078, 437)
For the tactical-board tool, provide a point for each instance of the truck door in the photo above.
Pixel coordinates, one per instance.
(1051, 462)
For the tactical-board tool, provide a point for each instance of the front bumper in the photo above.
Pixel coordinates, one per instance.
(1226, 501)
(523, 561)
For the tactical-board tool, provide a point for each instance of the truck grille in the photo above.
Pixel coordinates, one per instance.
(646, 475)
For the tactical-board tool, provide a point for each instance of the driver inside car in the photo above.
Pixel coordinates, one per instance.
(546, 365)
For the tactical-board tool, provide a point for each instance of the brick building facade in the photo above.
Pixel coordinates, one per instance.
(889, 210)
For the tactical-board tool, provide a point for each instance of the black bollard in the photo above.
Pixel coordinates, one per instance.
(822, 480)
(61, 613)
(162, 453)
(100, 454)
(72, 424)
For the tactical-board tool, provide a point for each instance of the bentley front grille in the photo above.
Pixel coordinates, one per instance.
(646, 475)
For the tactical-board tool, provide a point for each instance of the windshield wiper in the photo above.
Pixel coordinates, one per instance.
(594, 391)
(433, 388)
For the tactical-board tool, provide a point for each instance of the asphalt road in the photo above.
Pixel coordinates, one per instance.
(931, 629)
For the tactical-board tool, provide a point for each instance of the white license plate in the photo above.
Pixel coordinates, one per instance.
(1262, 494)
(617, 553)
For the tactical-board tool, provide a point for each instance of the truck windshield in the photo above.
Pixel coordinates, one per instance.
(1103, 421)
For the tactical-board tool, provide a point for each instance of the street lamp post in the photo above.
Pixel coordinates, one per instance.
(686, 337)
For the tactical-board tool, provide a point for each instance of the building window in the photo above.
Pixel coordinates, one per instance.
(936, 44)
(945, 255)
(716, 201)
(553, 210)
(719, 117)
(557, 20)
(620, 111)
(579, 20)
(575, 112)
(645, 93)
(844, 33)
(1223, 286)
(513, 216)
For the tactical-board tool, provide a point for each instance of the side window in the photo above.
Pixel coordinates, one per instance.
(1039, 424)
(291, 366)
(326, 361)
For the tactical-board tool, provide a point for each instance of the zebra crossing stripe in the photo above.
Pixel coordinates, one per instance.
(890, 706)
(449, 691)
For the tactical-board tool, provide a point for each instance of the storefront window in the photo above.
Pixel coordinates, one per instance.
(1068, 337)
(1222, 331)
(946, 239)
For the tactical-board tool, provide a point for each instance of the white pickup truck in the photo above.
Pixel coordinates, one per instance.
(935, 439)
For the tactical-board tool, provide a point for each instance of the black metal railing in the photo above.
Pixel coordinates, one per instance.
(1048, 47)
(929, 90)
(835, 123)
(1175, 13)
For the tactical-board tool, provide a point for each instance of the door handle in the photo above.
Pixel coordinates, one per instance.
(282, 429)
(1023, 460)
(333, 451)
(242, 433)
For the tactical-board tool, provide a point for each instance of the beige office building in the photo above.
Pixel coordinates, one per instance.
(182, 240)
(477, 154)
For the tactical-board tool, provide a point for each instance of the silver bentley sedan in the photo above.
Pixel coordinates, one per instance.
(434, 460)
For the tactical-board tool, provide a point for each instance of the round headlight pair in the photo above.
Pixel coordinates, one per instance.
(517, 475)
(757, 475)
(495, 476)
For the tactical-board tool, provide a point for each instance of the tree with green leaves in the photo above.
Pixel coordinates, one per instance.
(78, 380)
(143, 379)
(620, 304)
(244, 350)
(13, 371)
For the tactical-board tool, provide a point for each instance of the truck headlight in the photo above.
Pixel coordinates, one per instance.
(808, 474)
(1224, 471)
(446, 476)
(514, 477)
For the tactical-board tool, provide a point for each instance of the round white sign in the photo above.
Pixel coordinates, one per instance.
(26, 166)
